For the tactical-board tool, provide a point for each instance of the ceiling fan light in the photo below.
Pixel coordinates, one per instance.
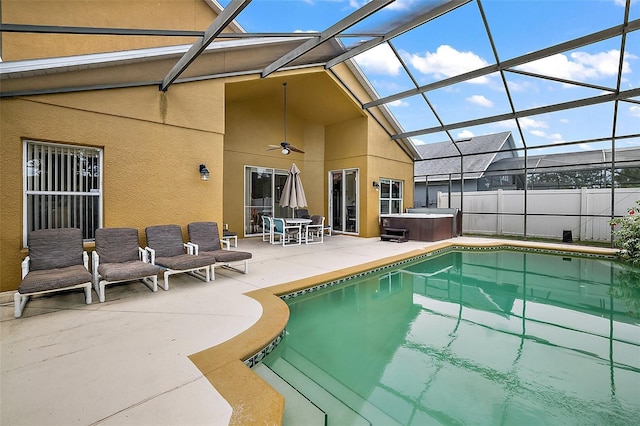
(285, 151)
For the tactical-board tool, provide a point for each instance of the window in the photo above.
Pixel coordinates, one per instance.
(62, 188)
(390, 196)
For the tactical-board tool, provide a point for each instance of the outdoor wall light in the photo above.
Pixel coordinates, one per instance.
(204, 172)
(376, 185)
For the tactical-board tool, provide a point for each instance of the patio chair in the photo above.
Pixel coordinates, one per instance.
(57, 261)
(167, 249)
(315, 229)
(205, 240)
(302, 214)
(118, 257)
(267, 229)
(286, 232)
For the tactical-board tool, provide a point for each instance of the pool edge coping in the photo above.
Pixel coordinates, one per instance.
(227, 365)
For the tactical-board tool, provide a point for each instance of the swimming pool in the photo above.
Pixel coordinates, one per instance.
(470, 337)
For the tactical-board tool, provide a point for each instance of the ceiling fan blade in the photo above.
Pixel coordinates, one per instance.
(294, 149)
(273, 147)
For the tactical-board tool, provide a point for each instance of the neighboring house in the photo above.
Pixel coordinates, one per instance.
(442, 162)
(572, 170)
(491, 163)
(89, 140)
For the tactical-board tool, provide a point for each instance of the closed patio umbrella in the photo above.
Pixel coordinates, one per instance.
(293, 193)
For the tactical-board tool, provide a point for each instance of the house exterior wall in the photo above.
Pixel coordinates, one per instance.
(157, 14)
(251, 126)
(152, 141)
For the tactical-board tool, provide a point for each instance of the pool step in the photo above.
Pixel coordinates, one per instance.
(329, 394)
(337, 412)
(298, 410)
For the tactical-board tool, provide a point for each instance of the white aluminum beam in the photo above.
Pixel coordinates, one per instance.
(217, 26)
(357, 16)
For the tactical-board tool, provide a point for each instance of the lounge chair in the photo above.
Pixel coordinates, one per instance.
(167, 249)
(205, 240)
(286, 232)
(315, 230)
(57, 261)
(118, 257)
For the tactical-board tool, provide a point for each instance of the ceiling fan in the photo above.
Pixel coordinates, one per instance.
(285, 146)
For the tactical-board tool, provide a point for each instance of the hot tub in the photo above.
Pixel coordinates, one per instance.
(420, 226)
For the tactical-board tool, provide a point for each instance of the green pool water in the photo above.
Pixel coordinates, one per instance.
(475, 337)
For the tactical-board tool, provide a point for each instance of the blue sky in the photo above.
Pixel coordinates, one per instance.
(457, 42)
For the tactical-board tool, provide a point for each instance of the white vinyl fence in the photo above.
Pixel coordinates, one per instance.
(584, 212)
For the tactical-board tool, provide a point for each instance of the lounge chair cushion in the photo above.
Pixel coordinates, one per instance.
(51, 279)
(205, 235)
(117, 245)
(134, 269)
(227, 255)
(55, 248)
(166, 240)
(184, 262)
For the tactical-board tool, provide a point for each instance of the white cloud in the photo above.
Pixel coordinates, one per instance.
(623, 3)
(555, 137)
(400, 5)
(465, 134)
(480, 100)
(448, 62)
(379, 60)
(398, 103)
(580, 66)
(520, 86)
(527, 123)
(635, 111)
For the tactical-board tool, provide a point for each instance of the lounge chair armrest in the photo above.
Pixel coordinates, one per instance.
(85, 259)
(143, 255)
(192, 248)
(152, 255)
(226, 244)
(25, 266)
(187, 247)
(95, 261)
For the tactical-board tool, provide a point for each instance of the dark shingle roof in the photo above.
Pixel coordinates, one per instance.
(443, 158)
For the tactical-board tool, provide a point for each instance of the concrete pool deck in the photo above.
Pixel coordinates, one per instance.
(151, 358)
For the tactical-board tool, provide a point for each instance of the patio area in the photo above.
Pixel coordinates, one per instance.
(126, 361)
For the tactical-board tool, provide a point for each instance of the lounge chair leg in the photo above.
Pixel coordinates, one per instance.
(101, 292)
(166, 280)
(19, 301)
(151, 283)
(87, 294)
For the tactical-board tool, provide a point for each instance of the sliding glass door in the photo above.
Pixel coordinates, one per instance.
(263, 188)
(343, 201)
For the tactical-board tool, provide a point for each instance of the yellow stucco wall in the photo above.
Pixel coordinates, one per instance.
(153, 143)
(343, 141)
(145, 14)
(252, 126)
